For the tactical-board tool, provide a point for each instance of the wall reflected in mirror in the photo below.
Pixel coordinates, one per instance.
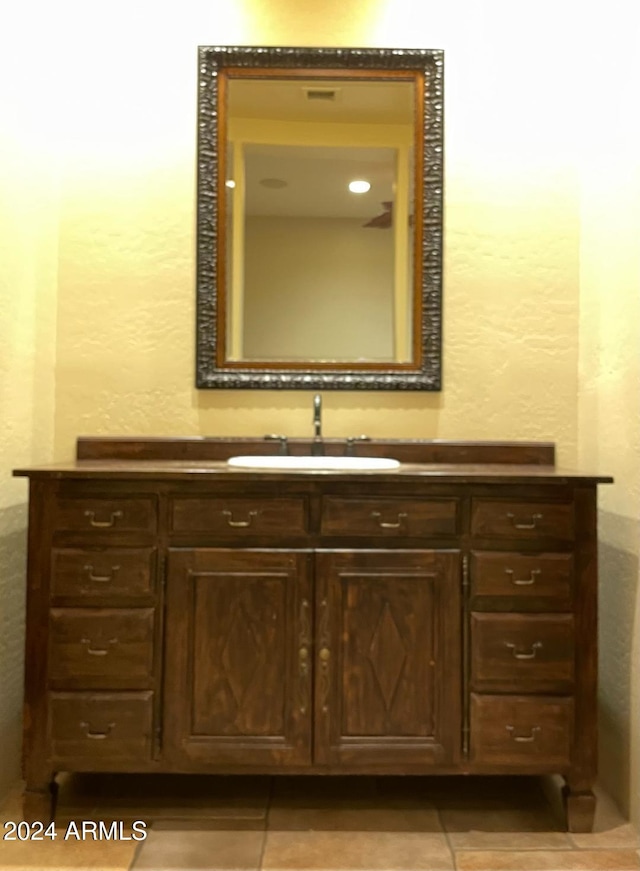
(317, 272)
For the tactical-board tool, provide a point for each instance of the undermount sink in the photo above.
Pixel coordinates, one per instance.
(328, 464)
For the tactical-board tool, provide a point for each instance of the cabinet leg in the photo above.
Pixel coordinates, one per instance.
(39, 802)
(580, 809)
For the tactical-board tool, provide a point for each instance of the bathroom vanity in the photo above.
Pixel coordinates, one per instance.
(187, 616)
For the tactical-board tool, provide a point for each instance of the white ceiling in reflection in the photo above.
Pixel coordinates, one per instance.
(317, 180)
(364, 102)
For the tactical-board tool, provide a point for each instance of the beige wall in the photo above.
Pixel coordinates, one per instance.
(539, 320)
(28, 239)
(609, 406)
(309, 304)
(126, 304)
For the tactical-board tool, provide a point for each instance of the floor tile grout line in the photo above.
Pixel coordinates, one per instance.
(446, 836)
(266, 822)
(136, 854)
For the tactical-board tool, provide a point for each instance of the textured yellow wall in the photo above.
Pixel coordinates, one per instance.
(126, 304)
(28, 242)
(609, 406)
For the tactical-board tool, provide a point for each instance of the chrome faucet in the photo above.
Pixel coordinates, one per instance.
(317, 416)
(317, 448)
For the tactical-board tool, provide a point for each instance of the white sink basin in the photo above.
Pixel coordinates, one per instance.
(327, 464)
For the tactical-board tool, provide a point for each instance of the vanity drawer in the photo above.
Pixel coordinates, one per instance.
(522, 652)
(390, 517)
(522, 731)
(104, 515)
(241, 516)
(102, 649)
(88, 574)
(524, 520)
(545, 577)
(101, 727)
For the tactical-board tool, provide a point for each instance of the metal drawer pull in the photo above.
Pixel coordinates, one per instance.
(97, 736)
(98, 651)
(384, 525)
(518, 654)
(523, 739)
(242, 524)
(103, 524)
(523, 582)
(524, 524)
(100, 579)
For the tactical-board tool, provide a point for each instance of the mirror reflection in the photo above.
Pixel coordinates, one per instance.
(319, 237)
(319, 208)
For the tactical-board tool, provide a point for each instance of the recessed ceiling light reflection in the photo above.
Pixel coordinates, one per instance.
(230, 183)
(359, 186)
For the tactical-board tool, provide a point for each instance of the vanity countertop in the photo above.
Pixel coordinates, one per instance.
(188, 469)
(170, 458)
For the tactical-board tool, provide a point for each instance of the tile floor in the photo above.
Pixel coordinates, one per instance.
(321, 824)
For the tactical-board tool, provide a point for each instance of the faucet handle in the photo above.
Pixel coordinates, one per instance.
(284, 446)
(351, 441)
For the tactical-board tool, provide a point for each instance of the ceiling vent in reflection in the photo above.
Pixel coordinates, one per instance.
(321, 95)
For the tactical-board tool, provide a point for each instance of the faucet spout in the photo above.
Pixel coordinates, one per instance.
(317, 448)
(317, 416)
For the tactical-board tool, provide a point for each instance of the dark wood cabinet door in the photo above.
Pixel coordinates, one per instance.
(238, 657)
(388, 681)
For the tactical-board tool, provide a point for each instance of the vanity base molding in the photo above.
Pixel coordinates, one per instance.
(186, 617)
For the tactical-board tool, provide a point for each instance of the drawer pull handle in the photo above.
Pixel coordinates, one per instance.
(524, 524)
(97, 736)
(103, 524)
(519, 654)
(387, 525)
(239, 524)
(523, 739)
(523, 582)
(98, 651)
(100, 579)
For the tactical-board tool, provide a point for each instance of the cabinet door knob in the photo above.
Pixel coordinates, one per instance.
(524, 524)
(324, 655)
(304, 640)
(103, 524)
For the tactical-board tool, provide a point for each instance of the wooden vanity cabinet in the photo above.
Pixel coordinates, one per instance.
(186, 617)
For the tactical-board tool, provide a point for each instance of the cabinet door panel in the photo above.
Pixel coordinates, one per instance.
(238, 656)
(388, 657)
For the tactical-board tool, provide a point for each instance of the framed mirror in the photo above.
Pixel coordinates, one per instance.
(319, 236)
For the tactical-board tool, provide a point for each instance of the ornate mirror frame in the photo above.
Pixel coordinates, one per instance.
(421, 374)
